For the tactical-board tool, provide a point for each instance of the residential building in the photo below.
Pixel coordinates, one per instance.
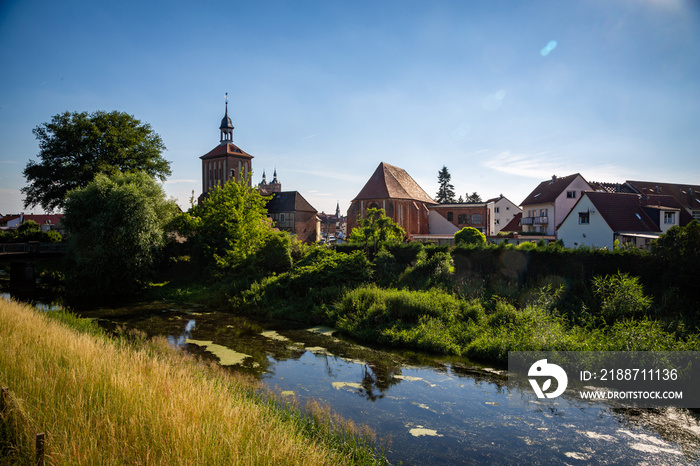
(46, 221)
(688, 196)
(550, 202)
(392, 189)
(600, 218)
(501, 212)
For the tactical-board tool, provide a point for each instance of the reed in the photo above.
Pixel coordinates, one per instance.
(106, 401)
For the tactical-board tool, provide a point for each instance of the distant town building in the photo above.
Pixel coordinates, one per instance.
(392, 189)
(292, 213)
(600, 218)
(501, 212)
(46, 221)
(550, 202)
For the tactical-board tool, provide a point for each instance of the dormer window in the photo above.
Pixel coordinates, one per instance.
(669, 218)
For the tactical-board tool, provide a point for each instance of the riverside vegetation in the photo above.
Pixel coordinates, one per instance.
(130, 400)
(474, 300)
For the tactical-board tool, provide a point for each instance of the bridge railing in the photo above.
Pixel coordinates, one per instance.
(14, 247)
(18, 248)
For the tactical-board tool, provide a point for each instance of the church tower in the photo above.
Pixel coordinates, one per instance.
(226, 161)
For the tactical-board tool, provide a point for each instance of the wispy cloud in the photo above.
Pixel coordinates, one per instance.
(309, 137)
(542, 166)
(330, 175)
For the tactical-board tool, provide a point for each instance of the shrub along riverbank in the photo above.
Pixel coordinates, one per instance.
(128, 400)
(480, 302)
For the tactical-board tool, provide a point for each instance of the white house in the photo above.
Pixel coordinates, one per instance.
(501, 211)
(600, 218)
(550, 202)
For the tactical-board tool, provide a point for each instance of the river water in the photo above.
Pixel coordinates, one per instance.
(430, 410)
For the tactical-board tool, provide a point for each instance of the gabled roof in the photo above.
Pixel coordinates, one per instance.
(224, 150)
(623, 212)
(611, 187)
(687, 195)
(514, 224)
(45, 219)
(549, 190)
(289, 201)
(390, 182)
(8, 218)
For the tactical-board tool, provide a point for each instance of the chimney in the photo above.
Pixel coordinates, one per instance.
(554, 178)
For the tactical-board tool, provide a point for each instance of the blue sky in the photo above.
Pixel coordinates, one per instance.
(505, 94)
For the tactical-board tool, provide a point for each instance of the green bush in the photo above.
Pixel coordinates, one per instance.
(620, 296)
(470, 235)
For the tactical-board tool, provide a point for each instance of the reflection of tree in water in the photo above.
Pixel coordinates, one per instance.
(379, 377)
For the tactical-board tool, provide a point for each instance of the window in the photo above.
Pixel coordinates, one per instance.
(281, 218)
(669, 218)
(450, 216)
(571, 194)
(463, 219)
(497, 209)
(583, 218)
(477, 219)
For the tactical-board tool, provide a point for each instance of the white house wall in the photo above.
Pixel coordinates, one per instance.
(506, 211)
(596, 234)
(563, 204)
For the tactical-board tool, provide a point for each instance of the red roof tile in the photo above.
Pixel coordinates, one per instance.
(549, 190)
(224, 150)
(623, 212)
(390, 182)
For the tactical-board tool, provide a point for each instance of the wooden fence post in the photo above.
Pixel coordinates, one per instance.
(40, 449)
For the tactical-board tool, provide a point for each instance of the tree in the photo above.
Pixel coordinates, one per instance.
(74, 147)
(679, 253)
(231, 224)
(376, 230)
(116, 227)
(446, 192)
(469, 235)
(474, 197)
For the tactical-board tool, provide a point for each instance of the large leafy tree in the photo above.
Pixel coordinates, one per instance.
(376, 230)
(446, 192)
(117, 227)
(74, 147)
(474, 197)
(470, 235)
(230, 225)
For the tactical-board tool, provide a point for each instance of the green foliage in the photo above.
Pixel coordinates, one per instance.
(446, 192)
(275, 254)
(678, 250)
(620, 296)
(376, 230)
(116, 227)
(470, 235)
(306, 291)
(230, 224)
(474, 197)
(74, 147)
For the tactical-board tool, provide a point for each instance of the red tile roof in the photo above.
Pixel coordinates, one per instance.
(687, 195)
(390, 182)
(514, 224)
(224, 150)
(623, 212)
(549, 190)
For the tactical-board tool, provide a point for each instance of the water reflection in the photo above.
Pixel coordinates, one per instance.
(436, 410)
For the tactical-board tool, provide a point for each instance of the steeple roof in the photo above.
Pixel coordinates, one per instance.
(226, 122)
(390, 182)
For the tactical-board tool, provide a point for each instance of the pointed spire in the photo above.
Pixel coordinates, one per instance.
(226, 126)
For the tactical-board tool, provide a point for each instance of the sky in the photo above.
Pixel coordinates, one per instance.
(504, 94)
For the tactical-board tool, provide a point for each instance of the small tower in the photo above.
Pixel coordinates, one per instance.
(275, 186)
(337, 211)
(226, 127)
(226, 161)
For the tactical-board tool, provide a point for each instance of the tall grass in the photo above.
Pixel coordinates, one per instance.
(105, 401)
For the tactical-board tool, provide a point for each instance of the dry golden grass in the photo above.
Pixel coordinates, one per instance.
(102, 401)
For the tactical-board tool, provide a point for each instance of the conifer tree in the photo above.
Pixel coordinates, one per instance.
(446, 192)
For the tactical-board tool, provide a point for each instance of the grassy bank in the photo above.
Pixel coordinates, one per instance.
(133, 401)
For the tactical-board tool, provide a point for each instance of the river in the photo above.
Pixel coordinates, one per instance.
(430, 410)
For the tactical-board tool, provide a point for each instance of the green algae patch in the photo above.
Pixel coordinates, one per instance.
(342, 385)
(321, 330)
(273, 335)
(227, 357)
(420, 431)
